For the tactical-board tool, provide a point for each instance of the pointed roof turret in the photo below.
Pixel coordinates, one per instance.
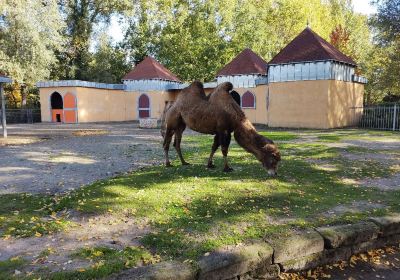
(309, 46)
(150, 69)
(245, 63)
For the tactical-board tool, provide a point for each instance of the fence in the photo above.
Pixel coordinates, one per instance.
(22, 115)
(384, 117)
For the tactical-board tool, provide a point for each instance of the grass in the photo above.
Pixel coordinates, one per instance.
(105, 261)
(8, 267)
(193, 210)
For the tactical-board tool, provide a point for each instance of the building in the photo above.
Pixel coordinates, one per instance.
(307, 84)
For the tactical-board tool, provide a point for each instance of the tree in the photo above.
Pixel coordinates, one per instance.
(30, 32)
(108, 64)
(141, 34)
(385, 81)
(340, 38)
(81, 16)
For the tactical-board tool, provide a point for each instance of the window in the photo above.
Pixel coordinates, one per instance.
(248, 100)
(144, 106)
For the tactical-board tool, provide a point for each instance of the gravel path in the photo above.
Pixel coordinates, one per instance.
(61, 160)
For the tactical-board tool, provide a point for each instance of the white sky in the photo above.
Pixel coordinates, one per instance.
(115, 30)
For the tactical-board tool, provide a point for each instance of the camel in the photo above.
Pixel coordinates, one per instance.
(217, 114)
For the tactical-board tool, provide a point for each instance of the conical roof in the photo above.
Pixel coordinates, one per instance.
(309, 46)
(150, 69)
(245, 63)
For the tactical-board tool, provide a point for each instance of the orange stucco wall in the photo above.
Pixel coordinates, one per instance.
(259, 113)
(102, 105)
(342, 97)
(299, 104)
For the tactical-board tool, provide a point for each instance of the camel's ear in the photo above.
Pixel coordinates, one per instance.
(273, 150)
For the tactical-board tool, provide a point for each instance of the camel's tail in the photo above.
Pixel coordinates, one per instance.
(168, 106)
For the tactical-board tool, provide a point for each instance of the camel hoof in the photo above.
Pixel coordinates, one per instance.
(210, 166)
(185, 163)
(228, 169)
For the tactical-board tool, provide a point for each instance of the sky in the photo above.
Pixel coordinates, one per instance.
(115, 30)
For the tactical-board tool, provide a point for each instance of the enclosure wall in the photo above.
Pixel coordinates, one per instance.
(299, 104)
(342, 97)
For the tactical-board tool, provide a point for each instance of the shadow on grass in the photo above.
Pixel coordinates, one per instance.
(192, 209)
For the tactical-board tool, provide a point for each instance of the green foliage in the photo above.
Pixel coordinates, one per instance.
(81, 17)
(8, 267)
(384, 66)
(196, 38)
(108, 63)
(28, 39)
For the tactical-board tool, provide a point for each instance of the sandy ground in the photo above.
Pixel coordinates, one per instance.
(65, 157)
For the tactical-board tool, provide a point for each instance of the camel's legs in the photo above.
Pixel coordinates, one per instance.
(167, 141)
(225, 140)
(177, 143)
(214, 148)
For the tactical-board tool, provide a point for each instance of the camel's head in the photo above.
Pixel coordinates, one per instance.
(268, 154)
(271, 158)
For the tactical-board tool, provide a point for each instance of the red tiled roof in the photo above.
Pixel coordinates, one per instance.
(148, 69)
(246, 62)
(309, 46)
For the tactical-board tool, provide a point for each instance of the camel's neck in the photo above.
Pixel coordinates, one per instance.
(245, 135)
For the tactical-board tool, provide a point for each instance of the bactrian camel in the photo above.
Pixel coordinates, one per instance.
(217, 114)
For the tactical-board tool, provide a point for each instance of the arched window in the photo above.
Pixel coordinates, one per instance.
(248, 100)
(56, 101)
(236, 96)
(144, 106)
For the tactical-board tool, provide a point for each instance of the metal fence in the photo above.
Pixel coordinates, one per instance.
(22, 115)
(384, 117)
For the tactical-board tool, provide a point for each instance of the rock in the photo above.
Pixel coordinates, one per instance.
(346, 235)
(297, 246)
(225, 264)
(266, 272)
(170, 270)
(388, 225)
(317, 259)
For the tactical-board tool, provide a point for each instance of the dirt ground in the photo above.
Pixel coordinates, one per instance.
(49, 158)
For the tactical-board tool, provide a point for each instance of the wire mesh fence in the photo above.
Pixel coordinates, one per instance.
(26, 115)
(383, 117)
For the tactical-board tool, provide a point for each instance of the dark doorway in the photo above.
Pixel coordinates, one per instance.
(58, 117)
(236, 96)
(56, 101)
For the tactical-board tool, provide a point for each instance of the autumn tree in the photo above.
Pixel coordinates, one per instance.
(28, 41)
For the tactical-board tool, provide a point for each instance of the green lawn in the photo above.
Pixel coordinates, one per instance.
(192, 210)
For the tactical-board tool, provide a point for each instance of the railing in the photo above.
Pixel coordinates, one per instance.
(22, 115)
(384, 117)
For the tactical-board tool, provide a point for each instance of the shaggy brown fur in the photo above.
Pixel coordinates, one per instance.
(217, 114)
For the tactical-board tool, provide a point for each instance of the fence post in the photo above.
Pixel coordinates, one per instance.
(394, 117)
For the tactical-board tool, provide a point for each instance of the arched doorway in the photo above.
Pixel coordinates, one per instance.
(56, 102)
(236, 96)
(144, 106)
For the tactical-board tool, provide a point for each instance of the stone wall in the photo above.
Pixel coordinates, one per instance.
(265, 259)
